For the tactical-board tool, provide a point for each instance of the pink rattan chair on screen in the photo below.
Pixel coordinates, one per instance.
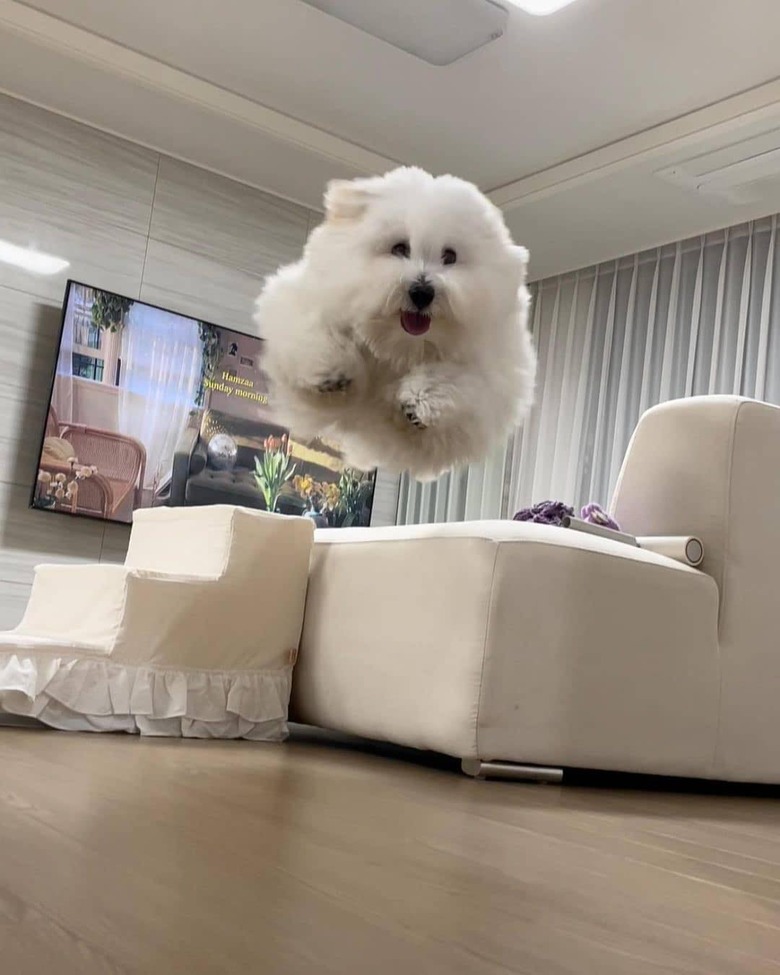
(120, 463)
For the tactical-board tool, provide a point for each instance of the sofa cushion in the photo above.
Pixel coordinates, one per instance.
(224, 487)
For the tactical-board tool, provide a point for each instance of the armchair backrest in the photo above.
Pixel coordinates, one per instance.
(710, 466)
(706, 466)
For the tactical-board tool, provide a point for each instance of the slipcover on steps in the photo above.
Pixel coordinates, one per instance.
(195, 635)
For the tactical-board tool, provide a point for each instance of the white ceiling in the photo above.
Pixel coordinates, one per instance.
(566, 117)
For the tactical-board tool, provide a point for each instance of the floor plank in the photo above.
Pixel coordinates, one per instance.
(126, 855)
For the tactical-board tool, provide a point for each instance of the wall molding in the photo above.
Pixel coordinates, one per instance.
(82, 45)
(720, 120)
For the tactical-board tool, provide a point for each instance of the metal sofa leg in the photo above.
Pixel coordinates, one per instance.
(477, 769)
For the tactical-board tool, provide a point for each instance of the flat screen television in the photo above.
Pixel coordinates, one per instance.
(148, 408)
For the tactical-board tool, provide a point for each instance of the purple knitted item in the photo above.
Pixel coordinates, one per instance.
(545, 513)
(553, 513)
(596, 515)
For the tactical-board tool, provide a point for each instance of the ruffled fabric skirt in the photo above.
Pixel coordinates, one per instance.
(92, 694)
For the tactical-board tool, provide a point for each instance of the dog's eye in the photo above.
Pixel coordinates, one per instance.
(448, 256)
(401, 249)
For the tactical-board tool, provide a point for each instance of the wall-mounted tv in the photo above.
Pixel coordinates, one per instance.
(151, 408)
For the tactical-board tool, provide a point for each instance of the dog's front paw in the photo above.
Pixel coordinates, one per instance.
(338, 383)
(420, 409)
(425, 403)
(411, 412)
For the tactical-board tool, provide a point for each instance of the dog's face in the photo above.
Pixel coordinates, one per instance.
(408, 259)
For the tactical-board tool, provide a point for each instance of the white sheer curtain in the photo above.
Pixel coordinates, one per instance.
(699, 316)
(161, 359)
(62, 391)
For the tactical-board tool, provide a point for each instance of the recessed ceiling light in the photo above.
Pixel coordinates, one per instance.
(436, 31)
(30, 259)
(540, 8)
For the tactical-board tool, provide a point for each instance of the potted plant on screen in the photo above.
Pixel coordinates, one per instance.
(354, 490)
(320, 497)
(273, 469)
(109, 311)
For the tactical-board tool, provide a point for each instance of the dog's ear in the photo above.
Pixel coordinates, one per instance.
(347, 199)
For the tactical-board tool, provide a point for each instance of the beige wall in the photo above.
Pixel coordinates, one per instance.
(133, 221)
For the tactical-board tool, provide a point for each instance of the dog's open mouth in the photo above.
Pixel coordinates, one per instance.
(415, 322)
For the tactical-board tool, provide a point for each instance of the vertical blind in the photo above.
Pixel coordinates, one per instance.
(699, 316)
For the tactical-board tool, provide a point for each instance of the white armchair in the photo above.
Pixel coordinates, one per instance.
(524, 649)
(195, 635)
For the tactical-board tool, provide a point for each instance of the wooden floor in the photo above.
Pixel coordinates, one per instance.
(129, 855)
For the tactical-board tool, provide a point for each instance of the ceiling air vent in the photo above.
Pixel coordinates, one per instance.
(437, 31)
(742, 172)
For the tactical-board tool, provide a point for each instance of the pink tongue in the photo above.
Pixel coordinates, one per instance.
(415, 322)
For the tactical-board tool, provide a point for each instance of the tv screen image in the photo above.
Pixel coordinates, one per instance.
(151, 408)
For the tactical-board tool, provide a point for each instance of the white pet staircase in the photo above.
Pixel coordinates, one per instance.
(195, 635)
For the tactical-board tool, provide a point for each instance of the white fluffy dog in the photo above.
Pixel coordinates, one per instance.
(402, 332)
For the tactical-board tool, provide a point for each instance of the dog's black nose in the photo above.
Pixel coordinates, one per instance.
(422, 294)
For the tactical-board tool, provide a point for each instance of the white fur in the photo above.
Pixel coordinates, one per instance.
(417, 403)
